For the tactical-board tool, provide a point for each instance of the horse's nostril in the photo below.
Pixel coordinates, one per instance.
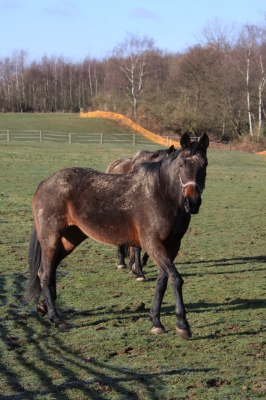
(192, 204)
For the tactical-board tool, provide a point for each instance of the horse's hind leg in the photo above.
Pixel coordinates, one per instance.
(131, 258)
(121, 255)
(46, 274)
(42, 307)
(71, 238)
(135, 266)
(144, 259)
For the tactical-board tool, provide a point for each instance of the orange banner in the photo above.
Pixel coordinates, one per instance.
(131, 124)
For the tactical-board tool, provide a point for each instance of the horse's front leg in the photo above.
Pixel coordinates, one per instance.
(182, 325)
(167, 271)
(161, 286)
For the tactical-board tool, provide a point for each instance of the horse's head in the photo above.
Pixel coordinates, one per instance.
(192, 163)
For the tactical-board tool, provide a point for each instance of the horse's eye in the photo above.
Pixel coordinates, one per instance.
(181, 164)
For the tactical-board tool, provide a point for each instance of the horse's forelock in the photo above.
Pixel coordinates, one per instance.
(193, 149)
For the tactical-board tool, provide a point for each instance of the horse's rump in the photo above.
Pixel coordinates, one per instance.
(120, 166)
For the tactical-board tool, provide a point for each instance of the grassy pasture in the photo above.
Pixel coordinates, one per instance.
(57, 122)
(108, 353)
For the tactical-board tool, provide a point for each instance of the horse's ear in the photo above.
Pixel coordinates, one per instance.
(155, 154)
(204, 141)
(185, 141)
(171, 149)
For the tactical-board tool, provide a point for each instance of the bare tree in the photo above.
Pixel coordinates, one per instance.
(133, 56)
(247, 44)
(261, 87)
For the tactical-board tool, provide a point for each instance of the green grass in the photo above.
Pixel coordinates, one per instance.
(80, 128)
(57, 122)
(108, 353)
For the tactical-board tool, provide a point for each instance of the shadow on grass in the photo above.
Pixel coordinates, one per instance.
(26, 353)
(226, 261)
(36, 363)
(213, 263)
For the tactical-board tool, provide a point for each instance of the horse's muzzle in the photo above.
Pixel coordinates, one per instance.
(192, 204)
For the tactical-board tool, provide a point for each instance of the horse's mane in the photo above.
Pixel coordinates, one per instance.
(155, 167)
(154, 154)
(151, 167)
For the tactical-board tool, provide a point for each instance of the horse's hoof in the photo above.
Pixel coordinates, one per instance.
(121, 266)
(132, 274)
(157, 331)
(141, 279)
(61, 325)
(133, 268)
(183, 333)
(41, 310)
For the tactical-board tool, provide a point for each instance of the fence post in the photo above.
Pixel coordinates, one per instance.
(134, 139)
(40, 136)
(167, 140)
(69, 138)
(101, 138)
(7, 136)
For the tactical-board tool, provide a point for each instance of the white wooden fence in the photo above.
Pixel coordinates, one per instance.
(100, 138)
(67, 137)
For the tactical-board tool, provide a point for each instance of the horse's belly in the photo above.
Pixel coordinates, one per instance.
(116, 233)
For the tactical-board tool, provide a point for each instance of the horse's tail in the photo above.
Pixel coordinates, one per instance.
(34, 257)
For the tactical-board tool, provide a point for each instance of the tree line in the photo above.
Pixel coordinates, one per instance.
(216, 86)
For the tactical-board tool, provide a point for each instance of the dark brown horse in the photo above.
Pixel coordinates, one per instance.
(76, 203)
(123, 166)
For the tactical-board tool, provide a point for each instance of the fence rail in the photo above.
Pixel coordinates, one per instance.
(73, 137)
(86, 138)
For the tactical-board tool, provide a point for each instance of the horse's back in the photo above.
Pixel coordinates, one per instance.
(120, 166)
(82, 184)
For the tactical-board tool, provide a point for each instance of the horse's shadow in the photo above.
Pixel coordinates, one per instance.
(44, 355)
(225, 261)
(114, 378)
(238, 304)
(222, 262)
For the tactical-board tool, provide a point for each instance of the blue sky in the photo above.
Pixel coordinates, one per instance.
(76, 29)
